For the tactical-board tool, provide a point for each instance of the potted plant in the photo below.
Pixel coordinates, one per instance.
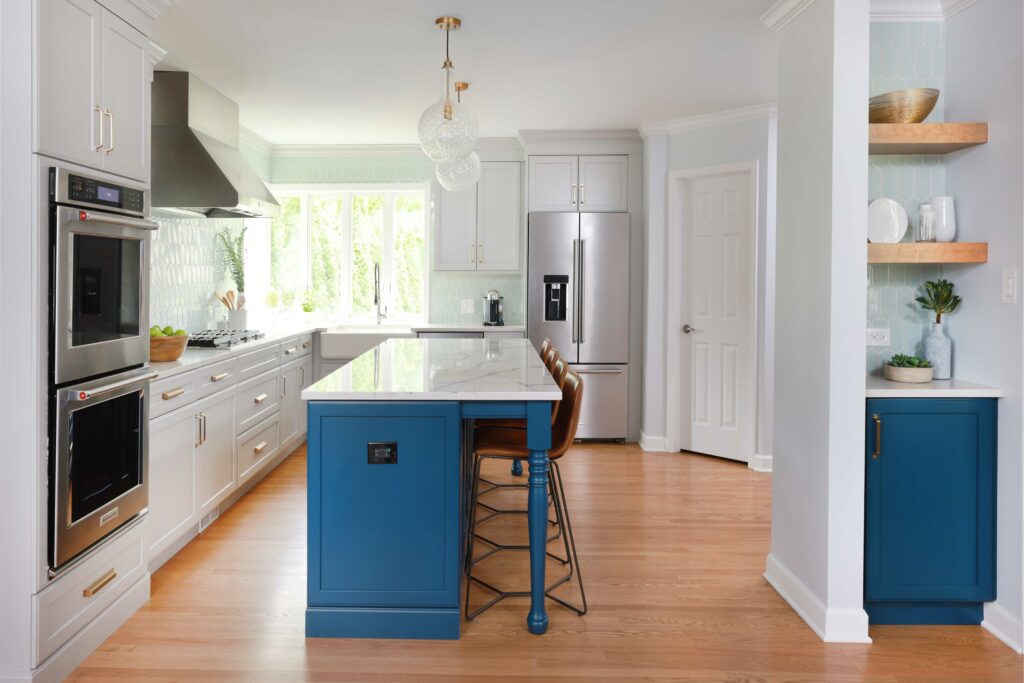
(904, 368)
(234, 259)
(939, 297)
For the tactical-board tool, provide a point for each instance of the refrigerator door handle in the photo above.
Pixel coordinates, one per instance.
(575, 285)
(583, 287)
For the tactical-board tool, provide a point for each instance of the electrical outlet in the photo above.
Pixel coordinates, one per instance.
(878, 336)
(467, 306)
(1009, 287)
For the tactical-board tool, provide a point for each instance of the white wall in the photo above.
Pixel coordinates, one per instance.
(816, 560)
(985, 82)
(653, 432)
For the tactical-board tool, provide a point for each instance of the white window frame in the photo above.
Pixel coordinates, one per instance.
(389, 190)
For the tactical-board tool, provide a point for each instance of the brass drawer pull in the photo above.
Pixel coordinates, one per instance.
(173, 393)
(99, 584)
(290, 351)
(259, 447)
(218, 377)
(260, 399)
(306, 345)
(878, 437)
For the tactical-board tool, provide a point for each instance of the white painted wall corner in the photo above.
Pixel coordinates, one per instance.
(657, 444)
(760, 463)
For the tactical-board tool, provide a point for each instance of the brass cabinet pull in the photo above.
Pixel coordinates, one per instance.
(581, 195)
(173, 393)
(878, 436)
(218, 377)
(101, 145)
(472, 253)
(574, 195)
(306, 345)
(99, 584)
(284, 387)
(259, 447)
(290, 351)
(260, 399)
(110, 114)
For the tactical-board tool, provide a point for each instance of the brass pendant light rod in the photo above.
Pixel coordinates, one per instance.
(448, 24)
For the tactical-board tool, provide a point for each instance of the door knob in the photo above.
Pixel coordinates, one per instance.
(687, 329)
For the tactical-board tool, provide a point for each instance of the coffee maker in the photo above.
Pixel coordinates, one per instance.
(494, 308)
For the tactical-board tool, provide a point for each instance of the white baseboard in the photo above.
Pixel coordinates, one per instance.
(1001, 623)
(831, 625)
(760, 463)
(653, 443)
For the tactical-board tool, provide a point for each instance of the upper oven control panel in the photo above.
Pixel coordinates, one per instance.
(71, 188)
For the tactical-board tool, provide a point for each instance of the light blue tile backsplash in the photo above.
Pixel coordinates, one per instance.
(904, 55)
(188, 265)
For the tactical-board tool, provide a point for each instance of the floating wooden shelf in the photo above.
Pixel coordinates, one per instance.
(924, 138)
(929, 252)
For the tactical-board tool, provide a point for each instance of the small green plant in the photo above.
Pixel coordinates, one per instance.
(307, 302)
(902, 360)
(234, 256)
(939, 297)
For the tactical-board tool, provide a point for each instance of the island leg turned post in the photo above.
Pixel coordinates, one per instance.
(538, 440)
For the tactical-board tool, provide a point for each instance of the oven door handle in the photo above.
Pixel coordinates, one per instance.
(87, 394)
(140, 223)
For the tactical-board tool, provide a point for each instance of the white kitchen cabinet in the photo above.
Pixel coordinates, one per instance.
(290, 389)
(172, 481)
(92, 88)
(215, 449)
(482, 230)
(305, 379)
(499, 216)
(592, 183)
(553, 183)
(455, 237)
(603, 185)
(125, 97)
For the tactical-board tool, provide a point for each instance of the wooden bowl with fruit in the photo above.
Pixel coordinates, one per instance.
(166, 343)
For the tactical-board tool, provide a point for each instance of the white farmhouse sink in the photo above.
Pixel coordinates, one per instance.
(346, 343)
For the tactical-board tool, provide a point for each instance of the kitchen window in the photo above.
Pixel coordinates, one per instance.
(325, 242)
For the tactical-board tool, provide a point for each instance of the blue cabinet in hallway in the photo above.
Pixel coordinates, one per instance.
(384, 521)
(930, 510)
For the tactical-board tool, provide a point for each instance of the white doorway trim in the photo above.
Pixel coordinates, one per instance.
(677, 430)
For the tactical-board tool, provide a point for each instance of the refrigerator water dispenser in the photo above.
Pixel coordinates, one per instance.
(556, 288)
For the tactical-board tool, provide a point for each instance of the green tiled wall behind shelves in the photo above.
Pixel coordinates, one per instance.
(904, 55)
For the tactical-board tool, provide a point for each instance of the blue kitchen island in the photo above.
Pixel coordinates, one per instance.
(388, 481)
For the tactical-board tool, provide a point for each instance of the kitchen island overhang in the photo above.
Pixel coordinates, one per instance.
(388, 481)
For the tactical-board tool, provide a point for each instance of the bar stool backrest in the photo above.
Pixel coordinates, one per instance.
(550, 357)
(544, 346)
(563, 433)
(559, 372)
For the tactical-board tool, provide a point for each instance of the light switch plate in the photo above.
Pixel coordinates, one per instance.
(467, 306)
(878, 336)
(1009, 286)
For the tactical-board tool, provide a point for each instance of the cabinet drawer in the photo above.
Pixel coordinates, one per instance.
(257, 362)
(296, 348)
(73, 600)
(171, 393)
(256, 399)
(213, 378)
(256, 447)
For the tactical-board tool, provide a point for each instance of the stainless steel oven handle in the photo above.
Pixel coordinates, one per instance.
(86, 394)
(110, 218)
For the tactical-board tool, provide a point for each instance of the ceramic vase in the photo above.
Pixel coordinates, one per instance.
(945, 224)
(938, 350)
(238, 320)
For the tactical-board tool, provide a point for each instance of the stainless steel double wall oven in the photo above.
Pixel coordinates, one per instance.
(98, 359)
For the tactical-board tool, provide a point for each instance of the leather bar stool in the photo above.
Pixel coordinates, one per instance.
(510, 444)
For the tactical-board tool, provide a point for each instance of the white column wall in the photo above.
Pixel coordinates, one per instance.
(652, 430)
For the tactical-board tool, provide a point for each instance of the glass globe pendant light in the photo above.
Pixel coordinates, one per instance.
(459, 175)
(447, 131)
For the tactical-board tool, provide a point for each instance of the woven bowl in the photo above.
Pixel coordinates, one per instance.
(163, 349)
(909, 375)
(902, 106)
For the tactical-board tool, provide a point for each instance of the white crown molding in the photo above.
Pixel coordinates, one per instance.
(530, 137)
(155, 54)
(713, 120)
(951, 8)
(152, 8)
(254, 140)
(649, 128)
(906, 10)
(285, 151)
(782, 12)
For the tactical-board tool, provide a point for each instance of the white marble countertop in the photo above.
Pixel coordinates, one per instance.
(441, 370)
(879, 387)
(198, 357)
(395, 328)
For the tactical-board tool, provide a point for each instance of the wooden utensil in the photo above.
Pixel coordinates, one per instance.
(231, 299)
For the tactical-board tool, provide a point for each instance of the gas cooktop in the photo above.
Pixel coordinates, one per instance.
(218, 339)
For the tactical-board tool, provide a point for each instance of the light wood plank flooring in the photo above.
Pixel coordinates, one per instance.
(672, 549)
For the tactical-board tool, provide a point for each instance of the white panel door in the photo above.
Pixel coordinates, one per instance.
(499, 220)
(455, 233)
(68, 82)
(718, 316)
(172, 499)
(126, 98)
(553, 183)
(215, 455)
(290, 402)
(305, 379)
(603, 183)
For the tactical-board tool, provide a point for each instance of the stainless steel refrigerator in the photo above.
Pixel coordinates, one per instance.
(578, 296)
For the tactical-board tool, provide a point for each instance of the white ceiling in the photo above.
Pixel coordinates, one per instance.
(362, 71)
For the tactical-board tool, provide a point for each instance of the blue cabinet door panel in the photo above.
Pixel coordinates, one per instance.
(930, 524)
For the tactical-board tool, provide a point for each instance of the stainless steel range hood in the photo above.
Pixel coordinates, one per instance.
(197, 167)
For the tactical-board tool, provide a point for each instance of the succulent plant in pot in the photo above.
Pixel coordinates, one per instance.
(904, 368)
(940, 298)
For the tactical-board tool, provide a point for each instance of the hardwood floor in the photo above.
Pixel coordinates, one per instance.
(672, 549)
